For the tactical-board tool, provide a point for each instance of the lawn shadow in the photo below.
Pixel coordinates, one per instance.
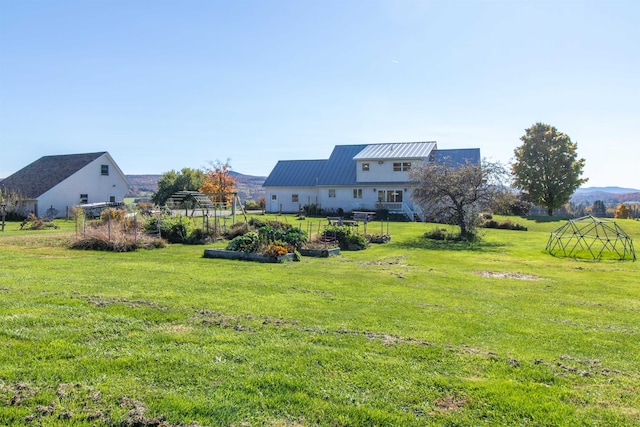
(545, 219)
(421, 242)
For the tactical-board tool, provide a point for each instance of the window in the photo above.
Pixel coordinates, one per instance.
(357, 193)
(394, 196)
(294, 198)
(390, 196)
(112, 199)
(104, 169)
(402, 167)
(274, 197)
(365, 166)
(84, 199)
(332, 192)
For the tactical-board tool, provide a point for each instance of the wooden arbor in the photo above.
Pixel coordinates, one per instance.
(196, 200)
(189, 200)
(590, 237)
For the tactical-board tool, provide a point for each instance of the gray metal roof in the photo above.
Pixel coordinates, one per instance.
(341, 167)
(45, 173)
(397, 150)
(457, 157)
(295, 173)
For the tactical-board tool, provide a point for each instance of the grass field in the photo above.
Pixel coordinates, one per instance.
(410, 333)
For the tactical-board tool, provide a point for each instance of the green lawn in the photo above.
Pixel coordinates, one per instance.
(409, 333)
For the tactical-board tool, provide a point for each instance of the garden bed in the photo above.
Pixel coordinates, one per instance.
(320, 253)
(379, 239)
(245, 256)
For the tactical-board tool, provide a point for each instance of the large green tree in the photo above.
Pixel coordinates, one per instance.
(171, 182)
(547, 167)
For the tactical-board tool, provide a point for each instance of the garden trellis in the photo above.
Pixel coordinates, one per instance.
(591, 237)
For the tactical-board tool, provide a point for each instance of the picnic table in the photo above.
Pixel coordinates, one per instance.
(337, 220)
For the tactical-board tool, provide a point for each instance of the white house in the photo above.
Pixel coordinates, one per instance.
(53, 184)
(364, 177)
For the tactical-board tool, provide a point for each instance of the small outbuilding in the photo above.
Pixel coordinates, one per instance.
(51, 185)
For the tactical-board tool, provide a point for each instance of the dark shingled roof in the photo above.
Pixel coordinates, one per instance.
(45, 173)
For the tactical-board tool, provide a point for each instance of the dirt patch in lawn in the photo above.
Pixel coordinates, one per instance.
(503, 275)
(450, 403)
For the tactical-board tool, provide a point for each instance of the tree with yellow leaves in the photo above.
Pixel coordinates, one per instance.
(219, 185)
(622, 211)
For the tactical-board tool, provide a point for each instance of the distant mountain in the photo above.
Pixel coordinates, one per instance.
(249, 186)
(143, 185)
(609, 195)
(614, 190)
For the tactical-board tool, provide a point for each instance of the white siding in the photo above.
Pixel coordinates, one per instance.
(89, 181)
(382, 170)
(283, 198)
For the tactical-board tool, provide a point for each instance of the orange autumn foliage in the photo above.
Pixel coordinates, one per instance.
(218, 183)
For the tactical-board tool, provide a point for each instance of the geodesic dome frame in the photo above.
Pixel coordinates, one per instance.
(590, 236)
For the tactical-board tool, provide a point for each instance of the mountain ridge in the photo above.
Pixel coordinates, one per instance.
(249, 186)
(610, 189)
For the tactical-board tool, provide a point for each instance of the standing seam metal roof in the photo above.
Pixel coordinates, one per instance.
(341, 167)
(304, 173)
(397, 150)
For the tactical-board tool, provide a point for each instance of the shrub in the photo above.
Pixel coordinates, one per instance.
(504, 225)
(313, 209)
(274, 231)
(491, 224)
(99, 243)
(438, 234)
(257, 222)
(113, 214)
(275, 251)
(295, 237)
(172, 228)
(268, 233)
(249, 242)
(357, 241)
(99, 239)
(237, 229)
(32, 222)
(346, 237)
(254, 205)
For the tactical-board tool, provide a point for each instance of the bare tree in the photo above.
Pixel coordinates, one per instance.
(456, 194)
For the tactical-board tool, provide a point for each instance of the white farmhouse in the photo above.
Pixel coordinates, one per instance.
(366, 177)
(53, 184)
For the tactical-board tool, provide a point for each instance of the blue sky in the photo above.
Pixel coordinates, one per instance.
(164, 85)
